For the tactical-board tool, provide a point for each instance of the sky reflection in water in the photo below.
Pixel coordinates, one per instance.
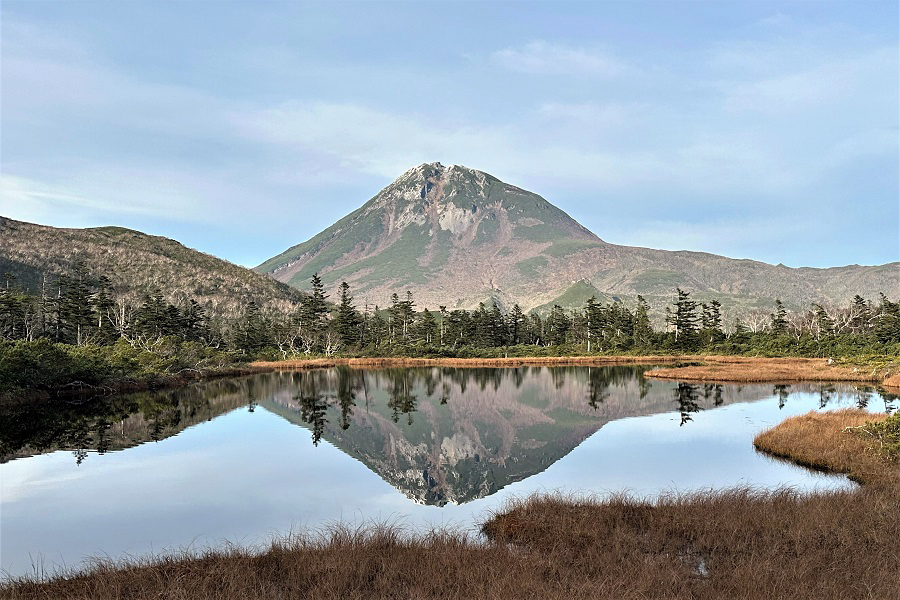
(223, 472)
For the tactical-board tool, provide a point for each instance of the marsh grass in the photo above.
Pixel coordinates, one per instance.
(746, 369)
(833, 441)
(739, 543)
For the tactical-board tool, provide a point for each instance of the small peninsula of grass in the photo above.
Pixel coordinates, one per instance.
(737, 543)
(751, 369)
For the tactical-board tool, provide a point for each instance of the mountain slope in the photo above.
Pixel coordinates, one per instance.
(456, 236)
(136, 263)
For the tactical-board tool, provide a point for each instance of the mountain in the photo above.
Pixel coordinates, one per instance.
(455, 236)
(448, 435)
(136, 263)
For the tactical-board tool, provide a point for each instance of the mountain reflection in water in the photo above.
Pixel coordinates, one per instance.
(440, 435)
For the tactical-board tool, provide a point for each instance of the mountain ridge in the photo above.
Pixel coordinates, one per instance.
(137, 263)
(457, 236)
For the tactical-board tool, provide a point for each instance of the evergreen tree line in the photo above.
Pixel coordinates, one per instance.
(81, 309)
(690, 326)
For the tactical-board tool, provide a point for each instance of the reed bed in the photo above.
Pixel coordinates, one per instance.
(738, 543)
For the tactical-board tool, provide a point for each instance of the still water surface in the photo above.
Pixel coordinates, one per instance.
(246, 459)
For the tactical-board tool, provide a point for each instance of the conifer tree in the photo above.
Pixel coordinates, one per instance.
(643, 331)
(558, 326)
(684, 320)
(824, 323)
(516, 325)
(312, 317)
(860, 314)
(250, 332)
(313, 310)
(497, 326)
(426, 328)
(778, 319)
(593, 323)
(536, 331)
(347, 322)
(887, 321)
(482, 322)
(379, 329)
(711, 320)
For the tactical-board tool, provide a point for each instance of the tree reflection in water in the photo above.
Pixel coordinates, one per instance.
(481, 411)
(782, 391)
(686, 396)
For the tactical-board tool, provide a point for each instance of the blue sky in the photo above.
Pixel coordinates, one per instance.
(764, 130)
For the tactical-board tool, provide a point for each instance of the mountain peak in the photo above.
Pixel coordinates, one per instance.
(456, 236)
(430, 227)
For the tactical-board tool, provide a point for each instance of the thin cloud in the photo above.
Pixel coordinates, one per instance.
(543, 58)
(779, 19)
(111, 191)
(825, 83)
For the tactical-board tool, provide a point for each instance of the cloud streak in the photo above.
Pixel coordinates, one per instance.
(543, 58)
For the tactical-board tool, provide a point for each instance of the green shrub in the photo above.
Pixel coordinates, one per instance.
(887, 432)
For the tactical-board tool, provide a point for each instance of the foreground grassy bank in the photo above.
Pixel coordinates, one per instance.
(728, 544)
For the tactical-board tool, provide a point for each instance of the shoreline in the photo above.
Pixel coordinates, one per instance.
(400, 361)
(78, 389)
(713, 369)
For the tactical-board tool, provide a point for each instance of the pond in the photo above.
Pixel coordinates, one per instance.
(242, 460)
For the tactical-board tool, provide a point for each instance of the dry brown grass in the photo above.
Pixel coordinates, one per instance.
(740, 543)
(730, 544)
(832, 441)
(745, 369)
(892, 381)
(319, 363)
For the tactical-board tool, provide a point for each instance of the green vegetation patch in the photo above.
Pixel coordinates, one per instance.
(887, 432)
(539, 233)
(486, 229)
(331, 249)
(398, 262)
(533, 398)
(654, 279)
(565, 247)
(575, 296)
(442, 247)
(370, 226)
(568, 418)
(529, 267)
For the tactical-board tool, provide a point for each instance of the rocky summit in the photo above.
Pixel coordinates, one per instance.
(455, 236)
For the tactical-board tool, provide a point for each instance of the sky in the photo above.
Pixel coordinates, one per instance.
(763, 130)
